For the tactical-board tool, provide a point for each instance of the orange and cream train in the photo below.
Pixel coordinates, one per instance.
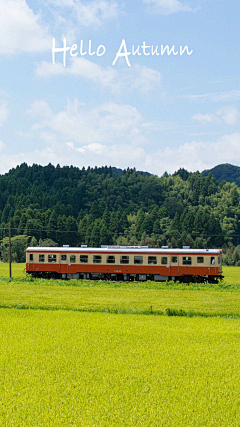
(125, 263)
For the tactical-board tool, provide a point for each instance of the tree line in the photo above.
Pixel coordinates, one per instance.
(94, 206)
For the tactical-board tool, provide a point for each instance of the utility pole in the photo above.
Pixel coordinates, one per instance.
(10, 254)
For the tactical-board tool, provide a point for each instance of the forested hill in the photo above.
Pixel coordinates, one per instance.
(225, 172)
(97, 206)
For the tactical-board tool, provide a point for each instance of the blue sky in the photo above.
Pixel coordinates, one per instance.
(162, 113)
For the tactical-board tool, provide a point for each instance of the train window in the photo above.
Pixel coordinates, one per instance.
(187, 260)
(52, 258)
(63, 257)
(219, 260)
(31, 257)
(200, 259)
(111, 259)
(212, 260)
(152, 260)
(164, 260)
(97, 259)
(84, 259)
(138, 260)
(174, 259)
(72, 259)
(124, 259)
(41, 258)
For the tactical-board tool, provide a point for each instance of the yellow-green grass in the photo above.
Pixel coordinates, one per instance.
(61, 367)
(18, 270)
(91, 369)
(231, 275)
(125, 300)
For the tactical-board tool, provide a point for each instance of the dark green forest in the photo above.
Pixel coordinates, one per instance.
(225, 172)
(70, 206)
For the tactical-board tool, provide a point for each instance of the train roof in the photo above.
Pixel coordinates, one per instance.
(140, 250)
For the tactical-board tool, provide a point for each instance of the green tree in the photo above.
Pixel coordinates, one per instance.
(72, 228)
(52, 225)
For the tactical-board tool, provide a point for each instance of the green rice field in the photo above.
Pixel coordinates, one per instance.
(107, 354)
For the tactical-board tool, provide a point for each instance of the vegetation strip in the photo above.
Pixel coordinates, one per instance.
(220, 286)
(170, 312)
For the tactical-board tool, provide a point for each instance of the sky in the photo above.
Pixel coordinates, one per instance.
(122, 99)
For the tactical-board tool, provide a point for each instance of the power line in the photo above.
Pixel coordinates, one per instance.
(121, 233)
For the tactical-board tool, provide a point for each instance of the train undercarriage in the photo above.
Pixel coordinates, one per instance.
(126, 277)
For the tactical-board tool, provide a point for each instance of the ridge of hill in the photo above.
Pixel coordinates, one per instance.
(225, 172)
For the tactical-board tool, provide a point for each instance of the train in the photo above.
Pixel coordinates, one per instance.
(125, 263)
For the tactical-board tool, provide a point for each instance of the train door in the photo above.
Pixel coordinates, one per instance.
(219, 267)
(174, 265)
(165, 265)
(213, 263)
(62, 261)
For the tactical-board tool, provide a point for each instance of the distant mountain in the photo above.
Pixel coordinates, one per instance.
(225, 172)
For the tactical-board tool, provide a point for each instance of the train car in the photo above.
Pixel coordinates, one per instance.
(125, 263)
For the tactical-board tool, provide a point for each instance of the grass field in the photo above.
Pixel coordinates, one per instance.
(65, 360)
(51, 296)
(18, 270)
(222, 299)
(92, 369)
(100, 296)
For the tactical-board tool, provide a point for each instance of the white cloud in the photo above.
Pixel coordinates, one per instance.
(141, 78)
(82, 68)
(107, 123)
(160, 126)
(48, 137)
(25, 135)
(233, 95)
(92, 155)
(228, 115)
(20, 29)
(138, 77)
(196, 155)
(205, 118)
(39, 108)
(166, 7)
(114, 134)
(107, 134)
(4, 111)
(85, 13)
(41, 156)
(191, 155)
(96, 12)
(93, 148)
